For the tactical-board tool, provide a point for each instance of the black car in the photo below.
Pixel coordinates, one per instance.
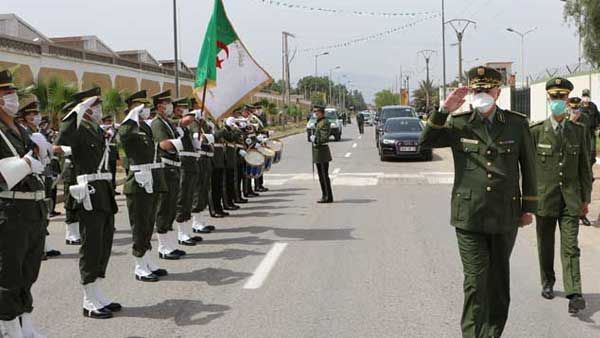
(400, 139)
(389, 112)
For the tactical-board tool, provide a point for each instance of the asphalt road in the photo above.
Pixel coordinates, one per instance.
(380, 262)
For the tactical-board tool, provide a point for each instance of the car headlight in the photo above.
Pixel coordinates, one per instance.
(333, 125)
(387, 141)
(310, 125)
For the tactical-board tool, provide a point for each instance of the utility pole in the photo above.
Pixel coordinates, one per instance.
(286, 68)
(460, 26)
(443, 51)
(427, 53)
(175, 46)
(408, 89)
(330, 100)
(317, 62)
(523, 35)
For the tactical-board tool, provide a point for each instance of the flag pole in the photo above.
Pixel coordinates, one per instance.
(204, 95)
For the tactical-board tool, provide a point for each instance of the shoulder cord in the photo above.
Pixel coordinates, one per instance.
(10, 146)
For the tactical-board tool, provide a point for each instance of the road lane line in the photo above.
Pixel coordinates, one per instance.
(337, 171)
(355, 145)
(348, 155)
(359, 137)
(262, 271)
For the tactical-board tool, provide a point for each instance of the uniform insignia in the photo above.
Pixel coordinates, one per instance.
(516, 113)
(545, 146)
(507, 142)
(557, 82)
(481, 71)
(461, 113)
(535, 124)
(469, 141)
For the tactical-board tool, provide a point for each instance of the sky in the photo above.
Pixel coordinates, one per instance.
(370, 66)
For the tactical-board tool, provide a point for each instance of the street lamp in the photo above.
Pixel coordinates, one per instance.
(330, 80)
(522, 35)
(317, 64)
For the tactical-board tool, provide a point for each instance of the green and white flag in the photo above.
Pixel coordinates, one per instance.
(225, 67)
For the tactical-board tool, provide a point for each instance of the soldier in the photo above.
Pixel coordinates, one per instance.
(321, 155)
(492, 150)
(576, 115)
(108, 125)
(231, 135)
(80, 129)
(360, 120)
(167, 137)
(591, 110)
(218, 162)
(202, 134)
(23, 212)
(565, 185)
(247, 133)
(50, 135)
(189, 174)
(143, 185)
(263, 135)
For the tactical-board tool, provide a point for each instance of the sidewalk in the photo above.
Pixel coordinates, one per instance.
(594, 215)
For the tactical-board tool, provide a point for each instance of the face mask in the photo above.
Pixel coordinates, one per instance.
(483, 102)
(145, 113)
(184, 112)
(585, 99)
(169, 110)
(11, 104)
(37, 119)
(558, 107)
(97, 113)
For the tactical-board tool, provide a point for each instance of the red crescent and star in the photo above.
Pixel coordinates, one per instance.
(221, 46)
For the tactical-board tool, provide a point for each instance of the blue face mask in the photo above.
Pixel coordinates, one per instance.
(558, 107)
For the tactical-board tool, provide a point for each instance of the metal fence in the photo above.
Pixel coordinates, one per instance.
(520, 100)
(562, 71)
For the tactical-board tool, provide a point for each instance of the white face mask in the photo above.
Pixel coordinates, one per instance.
(184, 112)
(169, 110)
(97, 113)
(11, 104)
(145, 113)
(37, 119)
(483, 102)
(585, 99)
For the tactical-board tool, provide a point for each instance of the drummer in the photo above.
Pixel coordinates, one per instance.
(253, 125)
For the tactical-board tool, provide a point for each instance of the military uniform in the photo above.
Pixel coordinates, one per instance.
(231, 136)
(217, 185)
(96, 201)
(164, 130)
(144, 183)
(321, 156)
(360, 120)
(487, 202)
(564, 183)
(111, 131)
(22, 220)
(591, 111)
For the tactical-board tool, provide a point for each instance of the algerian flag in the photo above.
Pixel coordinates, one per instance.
(226, 68)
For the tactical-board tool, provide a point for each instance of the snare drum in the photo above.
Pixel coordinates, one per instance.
(269, 156)
(277, 147)
(255, 164)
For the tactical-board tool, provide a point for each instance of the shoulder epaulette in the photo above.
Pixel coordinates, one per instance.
(577, 123)
(463, 113)
(517, 113)
(535, 124)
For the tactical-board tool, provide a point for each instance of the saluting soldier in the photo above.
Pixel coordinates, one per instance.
(169, 140)
(321, 155)
(144, 183)
(492, 150)
(80, 129)
(108, 125)
(564, 183)
(204, 140)
(217, 185)
(189, 174)
(55, 170)
(231, 135)
(23, 212)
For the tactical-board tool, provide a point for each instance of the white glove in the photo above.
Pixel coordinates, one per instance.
(66, 150)
(43, 145)
(36, 166)
(243, 153)
(177, 143)
(230, 121)
(258, 146)
(210, 138)
(261, 138)
(197, 144)
(179, 131)
(313, 138)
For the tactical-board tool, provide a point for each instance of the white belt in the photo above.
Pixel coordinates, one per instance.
(95, 177)
(189, 154)
(218, 145)
(146, 167)
(231, 145)
(239, 146)
(209, 154)
(21, 195)
(251, 135)
(170, 162)
(67, 161)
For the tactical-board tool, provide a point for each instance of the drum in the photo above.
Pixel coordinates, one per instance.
(255, 164)
(269, 156)
(277, 147)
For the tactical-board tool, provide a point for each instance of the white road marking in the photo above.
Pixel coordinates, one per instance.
(359, 137)
(367, 179)
(337, 171)
(355, 145)
(262, 271)
(348, 155)
(355, 181)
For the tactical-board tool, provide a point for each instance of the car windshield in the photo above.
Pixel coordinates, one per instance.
(403, 126)
(388, 113)
(331, 115)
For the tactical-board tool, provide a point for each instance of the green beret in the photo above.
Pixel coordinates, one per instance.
(484, 77)
(559, 85)
(137, 97)
(85, 94)
(574, 102)
(162, 96)
(6, 80)
(182, 102)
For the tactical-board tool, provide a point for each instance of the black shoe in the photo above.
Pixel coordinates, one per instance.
(217, 215)
(548, 292)
(197, 239)
(585, 221)
(54, 213)
(150, 278)
(262, 189)
(188, 242)
(70, 242)
(253, 194)
(205, 230)
(231, 207)
(241, 201)
(52, 253)
(113, 307)
(576, 303)
(179, 252)
(224, 213)
(322, 200)
(170, 256)
(160, 272)
(98, 314)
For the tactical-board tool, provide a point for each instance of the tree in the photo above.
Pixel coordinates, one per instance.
(585, 15)
(276, 86)
(386, 98)
(317, 98)
(113, 103)
(52, 95)
(420, 96)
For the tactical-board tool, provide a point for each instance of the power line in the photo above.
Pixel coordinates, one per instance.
(323, 10)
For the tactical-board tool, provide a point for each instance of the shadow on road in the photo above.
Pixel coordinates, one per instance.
(592, 307)
(256, 214)
(249, 240)
(258, 207)
(268, 194)
(228, 254)
(212, 276)
(76, 255)
(286, 190)
(272, 200)
(184, 312)
(317, 234)
(355, 201)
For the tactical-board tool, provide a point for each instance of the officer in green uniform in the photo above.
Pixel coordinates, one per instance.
(492, 150)
(50, 135)
(203, 139)
(22, 217)
(108, 125)
(189, 174)
(167, 137)
(263, 134)
(321, 155)
(564, 183)
(217, 185)
(591, 110)
(144, 183)
(231, 135)
(80, 129)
